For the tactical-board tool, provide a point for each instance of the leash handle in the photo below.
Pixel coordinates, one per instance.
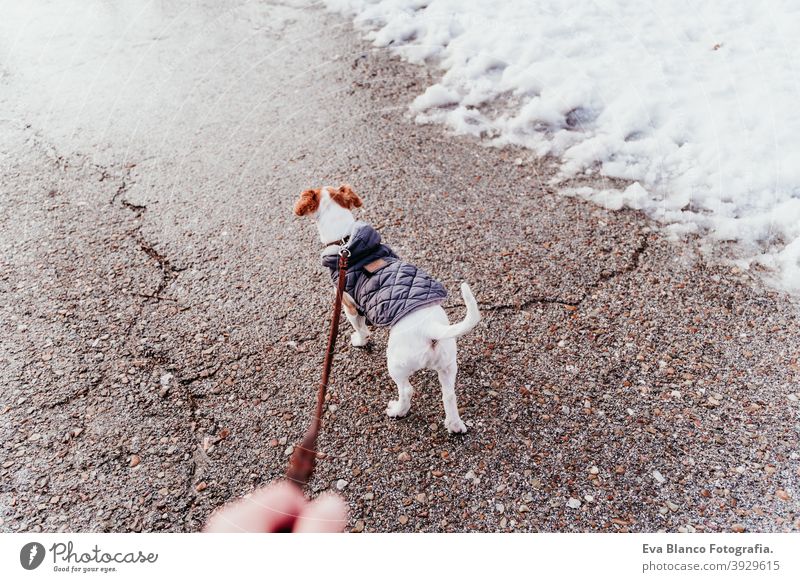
(304, 457)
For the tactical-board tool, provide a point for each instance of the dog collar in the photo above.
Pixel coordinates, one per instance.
(340, 242)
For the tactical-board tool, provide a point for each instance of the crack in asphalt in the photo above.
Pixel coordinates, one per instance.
(526, 304)
(633, 263)
(169, 273)
(192, 401)
(138, 208)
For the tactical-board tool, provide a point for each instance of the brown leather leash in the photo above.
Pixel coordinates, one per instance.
(304, 456)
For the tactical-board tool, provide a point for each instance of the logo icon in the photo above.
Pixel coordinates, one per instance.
(31, 555)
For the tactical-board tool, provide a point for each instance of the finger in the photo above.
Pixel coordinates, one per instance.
(326, 514)
(268, 509)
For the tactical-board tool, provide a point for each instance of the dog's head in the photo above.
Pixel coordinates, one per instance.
(331, 208)
(316, 201)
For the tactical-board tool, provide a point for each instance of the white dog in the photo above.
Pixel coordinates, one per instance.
(383, 290)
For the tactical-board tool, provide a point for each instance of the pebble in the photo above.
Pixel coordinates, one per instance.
(341, 484)
(588, 498)
(135, 460)
(524, 508)
(404, 456)
(500, 507)
(289, 450)
(403, 519)
(672, 506)
(421, 498)
(165, 383)
(594, 470)
(783, 495)
(358, 527)
(202, 486)
(659, 477)
(573, 503)
(369, 496)
(738, 528)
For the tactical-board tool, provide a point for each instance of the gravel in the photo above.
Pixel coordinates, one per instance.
(156, 240)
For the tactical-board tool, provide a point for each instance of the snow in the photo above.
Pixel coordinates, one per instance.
(694, 104)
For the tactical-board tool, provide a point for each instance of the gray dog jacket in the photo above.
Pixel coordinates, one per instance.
(384, 287)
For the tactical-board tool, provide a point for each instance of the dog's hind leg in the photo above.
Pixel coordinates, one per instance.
(400, 407)
(447, 378)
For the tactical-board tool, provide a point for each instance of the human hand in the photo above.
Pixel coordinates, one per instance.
(280, 507)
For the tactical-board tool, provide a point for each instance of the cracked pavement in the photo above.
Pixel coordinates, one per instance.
(165, 315)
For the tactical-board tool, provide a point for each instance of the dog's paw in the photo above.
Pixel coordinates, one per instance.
(396, 409)
(358, 340)
(455, 426)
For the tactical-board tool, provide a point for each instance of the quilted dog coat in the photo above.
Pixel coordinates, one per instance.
(383, 287)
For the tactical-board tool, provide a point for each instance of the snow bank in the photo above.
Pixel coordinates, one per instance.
(695, 101)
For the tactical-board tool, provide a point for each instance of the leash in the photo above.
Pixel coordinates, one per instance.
(304, 456)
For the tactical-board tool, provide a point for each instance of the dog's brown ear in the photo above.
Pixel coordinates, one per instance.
(307, 203)
(346, 198)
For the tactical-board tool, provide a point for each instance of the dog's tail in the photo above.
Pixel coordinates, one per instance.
(441, 331)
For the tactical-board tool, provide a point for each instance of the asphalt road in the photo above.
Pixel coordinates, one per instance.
(164, 314)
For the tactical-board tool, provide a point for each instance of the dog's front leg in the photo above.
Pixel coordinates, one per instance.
(360, 336)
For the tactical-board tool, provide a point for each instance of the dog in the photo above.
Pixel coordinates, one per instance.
(383, 290)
